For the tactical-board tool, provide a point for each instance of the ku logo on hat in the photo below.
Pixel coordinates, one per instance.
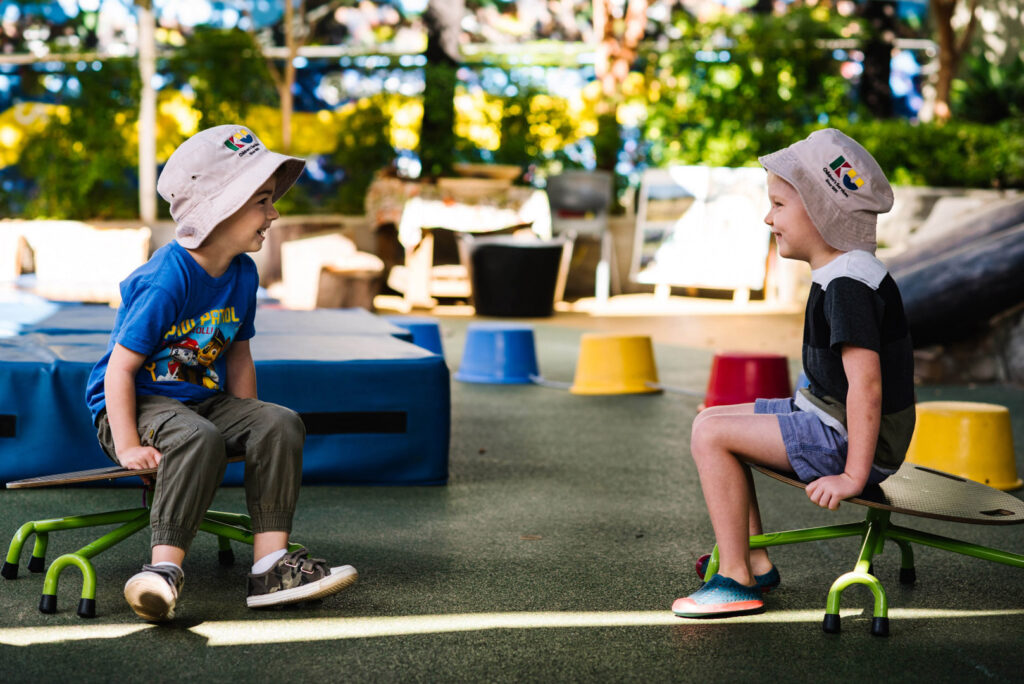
(846, 173)
(239, 140)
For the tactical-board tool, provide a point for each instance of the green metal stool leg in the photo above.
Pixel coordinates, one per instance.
(874, 538)
(908, 575)
(956, 546)
(87, 604)
(237, 519)
(133, 520)
(42, 528)
(10, 567)
(240, 521)
(38, 559)
(225, 556)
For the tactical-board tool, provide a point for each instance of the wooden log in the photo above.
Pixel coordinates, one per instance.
(951, 297)
(995, 219)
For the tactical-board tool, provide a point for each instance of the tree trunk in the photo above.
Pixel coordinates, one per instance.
(951, 51)
(147, 113)
(615, 53)
(288, 82)
(437, 133)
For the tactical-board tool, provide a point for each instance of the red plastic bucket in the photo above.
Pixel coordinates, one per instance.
(742, 377)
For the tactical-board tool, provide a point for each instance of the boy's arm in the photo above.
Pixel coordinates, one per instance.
(863, 416)
(119, 388)
(241, 371)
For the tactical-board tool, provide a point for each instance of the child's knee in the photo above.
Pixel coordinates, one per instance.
(284, 423)
(707, 436)
(700, 439)
(208, 439)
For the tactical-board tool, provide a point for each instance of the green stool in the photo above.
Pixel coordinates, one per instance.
(227, 526)
(913, 490)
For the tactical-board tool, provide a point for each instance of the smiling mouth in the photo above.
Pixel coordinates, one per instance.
(262, 232)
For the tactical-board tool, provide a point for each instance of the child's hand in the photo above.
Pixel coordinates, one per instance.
(828, 491)
(139, 457)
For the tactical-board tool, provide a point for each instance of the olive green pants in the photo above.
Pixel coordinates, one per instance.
(195, 440)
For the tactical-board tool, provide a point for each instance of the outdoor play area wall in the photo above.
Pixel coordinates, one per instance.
(376, 407)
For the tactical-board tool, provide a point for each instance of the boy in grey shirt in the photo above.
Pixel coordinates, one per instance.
(852, 425)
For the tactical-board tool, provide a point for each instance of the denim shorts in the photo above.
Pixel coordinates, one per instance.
(813, 448)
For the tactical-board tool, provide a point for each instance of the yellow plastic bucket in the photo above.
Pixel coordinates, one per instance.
(615, 364)
(970, 439)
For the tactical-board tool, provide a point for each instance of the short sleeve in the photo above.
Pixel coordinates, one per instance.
(854, 312)
(151, 311)
(251, 281)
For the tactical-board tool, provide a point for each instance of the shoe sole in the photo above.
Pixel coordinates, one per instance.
(152, 599)
(691, 609)
(340, 578)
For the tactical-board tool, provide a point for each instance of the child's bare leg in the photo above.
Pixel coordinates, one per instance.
(758, 557)
(759, 562)
(721, 443)
(163, 553)
(264, 543)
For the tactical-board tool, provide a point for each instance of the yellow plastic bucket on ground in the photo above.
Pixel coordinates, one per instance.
(615, 364)
(970, 439)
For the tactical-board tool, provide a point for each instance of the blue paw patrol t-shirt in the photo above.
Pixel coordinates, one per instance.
(182, 320)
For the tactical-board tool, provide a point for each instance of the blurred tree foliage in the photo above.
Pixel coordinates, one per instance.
(84, 163)
(364, 147)
(953, 154)
(743, 85)
(722, 93)
(989, 92)
(226, 72)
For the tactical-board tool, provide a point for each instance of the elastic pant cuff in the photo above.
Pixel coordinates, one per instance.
(172, 535)
(272, 521)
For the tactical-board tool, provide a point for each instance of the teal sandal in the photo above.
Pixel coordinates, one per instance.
(720, 597)
(766, 582)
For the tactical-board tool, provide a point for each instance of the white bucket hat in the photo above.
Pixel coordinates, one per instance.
(842, 186)
(212, 174)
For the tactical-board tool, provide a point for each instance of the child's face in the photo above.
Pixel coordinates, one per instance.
(246, 229)
(794, 232)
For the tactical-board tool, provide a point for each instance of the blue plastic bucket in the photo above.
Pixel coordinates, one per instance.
(426, 333)
(498, 353)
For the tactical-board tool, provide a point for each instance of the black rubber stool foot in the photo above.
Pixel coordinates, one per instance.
(880, 626)
(226, 557)
(36, 564)
(831, 623)
(87, 608)
(48, 604)
(908, 575)
(9, 571)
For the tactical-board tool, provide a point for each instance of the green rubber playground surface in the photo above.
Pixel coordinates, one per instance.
(567, 529)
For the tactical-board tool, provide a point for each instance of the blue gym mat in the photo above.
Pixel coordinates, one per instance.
(377, 409)
(46, 317)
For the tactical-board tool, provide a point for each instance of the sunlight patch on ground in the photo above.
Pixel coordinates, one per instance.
(30, 636)
(257, 631)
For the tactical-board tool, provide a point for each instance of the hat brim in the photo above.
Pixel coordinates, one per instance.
(236, 192)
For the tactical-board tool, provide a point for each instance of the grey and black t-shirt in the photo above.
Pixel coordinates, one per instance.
(854, 301)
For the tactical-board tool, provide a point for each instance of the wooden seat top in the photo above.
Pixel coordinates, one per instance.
(927, 493)
(96, 474)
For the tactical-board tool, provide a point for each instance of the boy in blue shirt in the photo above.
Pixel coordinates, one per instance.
(177, 386)
(851, 426)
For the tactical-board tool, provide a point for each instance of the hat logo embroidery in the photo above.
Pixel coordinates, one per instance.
(239, 140)
(846, 173)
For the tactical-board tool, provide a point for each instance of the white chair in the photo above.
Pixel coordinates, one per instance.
(580, 201)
